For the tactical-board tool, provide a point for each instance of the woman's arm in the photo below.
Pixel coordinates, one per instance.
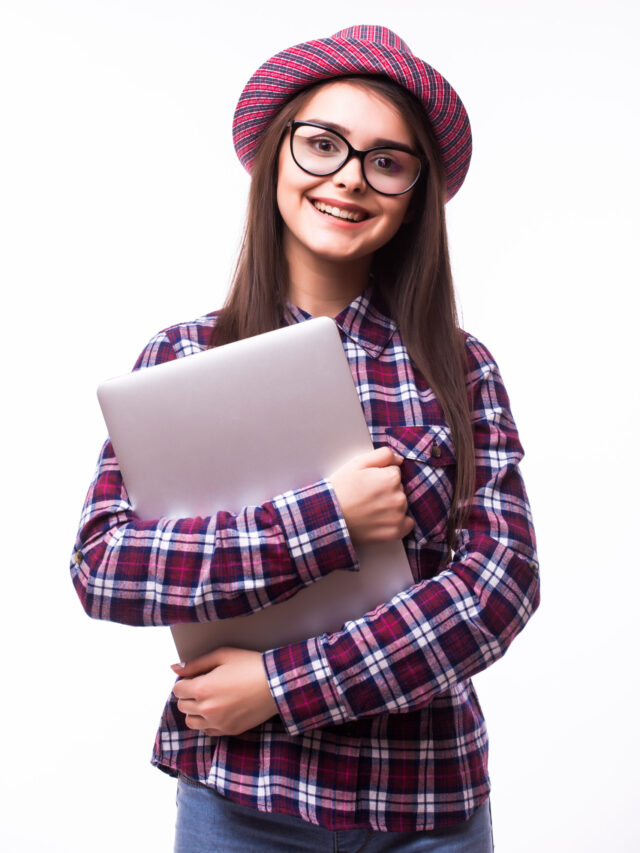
(439, 631)
(227, 691)
(172, 570)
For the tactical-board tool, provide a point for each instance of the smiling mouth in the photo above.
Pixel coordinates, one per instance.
(339, 213)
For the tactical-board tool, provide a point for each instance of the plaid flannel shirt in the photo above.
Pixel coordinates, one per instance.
(379, 725)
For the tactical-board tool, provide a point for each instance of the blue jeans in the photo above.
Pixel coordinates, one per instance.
(208, 822)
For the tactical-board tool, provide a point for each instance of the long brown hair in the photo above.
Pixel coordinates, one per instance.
(412, 273)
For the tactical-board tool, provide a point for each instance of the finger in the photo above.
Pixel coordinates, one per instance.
(197, 666)
(393, 474)
(382, 457)
(194, 721)
(392, 532)
(183, 689)
(188, 706)
(189, 688)
(407, 526)
(399, 501)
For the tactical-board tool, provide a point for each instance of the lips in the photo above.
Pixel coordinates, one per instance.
(341, 210)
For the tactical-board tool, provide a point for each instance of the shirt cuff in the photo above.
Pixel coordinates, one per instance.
(303, 688)
(315, 530)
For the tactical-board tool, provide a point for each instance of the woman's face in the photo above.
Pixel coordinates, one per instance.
(363, 118)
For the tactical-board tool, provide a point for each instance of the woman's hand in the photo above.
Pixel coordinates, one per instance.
(370, 494)
(225, 692)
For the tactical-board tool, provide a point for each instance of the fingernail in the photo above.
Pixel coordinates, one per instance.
(176, 667)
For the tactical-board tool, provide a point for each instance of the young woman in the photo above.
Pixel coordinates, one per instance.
(370, 738)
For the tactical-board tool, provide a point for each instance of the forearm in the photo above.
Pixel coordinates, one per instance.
(442, 630)
(397, 658)
(196, 569)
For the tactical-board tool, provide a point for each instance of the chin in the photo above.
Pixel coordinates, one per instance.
(339, 257)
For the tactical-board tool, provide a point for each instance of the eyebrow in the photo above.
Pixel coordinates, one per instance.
(377, 143)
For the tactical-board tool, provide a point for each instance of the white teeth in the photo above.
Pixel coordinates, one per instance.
(336, 211)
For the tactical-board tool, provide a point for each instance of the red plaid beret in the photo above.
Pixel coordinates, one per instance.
(356, 50)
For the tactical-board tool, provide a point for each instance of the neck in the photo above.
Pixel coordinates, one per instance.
(323, 287)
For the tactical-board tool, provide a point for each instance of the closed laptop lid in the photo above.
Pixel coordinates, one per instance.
(235, 426)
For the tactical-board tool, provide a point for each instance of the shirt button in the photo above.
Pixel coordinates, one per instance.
(78, 556)
(533, 566)
(436, 451)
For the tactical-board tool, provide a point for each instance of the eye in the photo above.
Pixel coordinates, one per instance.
(386, 163)
(317, 142)
(322, 145)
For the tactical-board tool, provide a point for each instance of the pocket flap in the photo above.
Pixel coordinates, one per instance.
(432, 444)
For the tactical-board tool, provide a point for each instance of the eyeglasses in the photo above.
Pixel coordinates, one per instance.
(389, 170)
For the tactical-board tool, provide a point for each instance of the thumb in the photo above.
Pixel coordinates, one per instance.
(197, 666)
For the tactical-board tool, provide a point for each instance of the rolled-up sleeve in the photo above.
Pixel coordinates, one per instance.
(439, 631)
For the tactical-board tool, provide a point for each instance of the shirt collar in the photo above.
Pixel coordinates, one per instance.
(361, 321)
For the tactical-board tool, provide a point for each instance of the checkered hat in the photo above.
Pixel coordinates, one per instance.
(356, 50)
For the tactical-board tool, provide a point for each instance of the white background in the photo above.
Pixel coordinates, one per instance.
(120, 208)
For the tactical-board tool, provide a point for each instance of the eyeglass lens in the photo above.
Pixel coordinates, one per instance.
(322, 152)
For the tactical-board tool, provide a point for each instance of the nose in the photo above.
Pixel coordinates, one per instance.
(350, 176)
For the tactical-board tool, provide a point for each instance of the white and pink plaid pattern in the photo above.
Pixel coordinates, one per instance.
(379, 725)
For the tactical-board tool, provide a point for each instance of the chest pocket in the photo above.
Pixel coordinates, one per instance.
(428, 474)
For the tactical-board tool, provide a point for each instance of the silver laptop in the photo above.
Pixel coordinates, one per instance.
(234, 426)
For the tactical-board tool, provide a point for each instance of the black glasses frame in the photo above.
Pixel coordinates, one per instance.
(351, 153)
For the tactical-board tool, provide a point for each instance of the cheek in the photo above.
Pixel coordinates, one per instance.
(405, 207)
(396, 218)
(290, 187)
